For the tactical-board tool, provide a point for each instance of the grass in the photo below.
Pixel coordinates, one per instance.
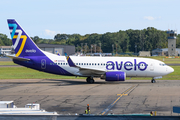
(167, 60)
(27, 73)
(7, 63)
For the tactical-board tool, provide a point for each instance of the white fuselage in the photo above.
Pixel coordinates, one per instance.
(96, 66)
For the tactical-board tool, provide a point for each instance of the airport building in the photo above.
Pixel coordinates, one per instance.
(55, 49)
(58, 49)
(5, 50)
(164, 52)
(144, 53)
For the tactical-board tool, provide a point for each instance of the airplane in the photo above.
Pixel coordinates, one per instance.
(29, 55)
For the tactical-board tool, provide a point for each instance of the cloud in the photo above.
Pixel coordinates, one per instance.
(149, 18)
(50, 33)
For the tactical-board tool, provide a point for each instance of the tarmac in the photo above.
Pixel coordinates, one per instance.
(70, 97)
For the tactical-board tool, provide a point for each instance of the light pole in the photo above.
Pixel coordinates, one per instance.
(112, 49)
(116, 49)
(91, 49)
(81, 47)
(85, 48)
(95, 48)
(100, 47)
(135, 49)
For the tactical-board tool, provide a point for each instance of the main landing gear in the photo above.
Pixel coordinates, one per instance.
(90, 80)
(153, 81)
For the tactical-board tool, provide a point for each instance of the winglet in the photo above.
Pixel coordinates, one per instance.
(70, 62)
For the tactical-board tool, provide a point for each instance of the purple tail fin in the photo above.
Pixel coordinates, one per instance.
(22, 43)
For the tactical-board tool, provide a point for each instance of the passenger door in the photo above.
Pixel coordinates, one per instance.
(151, 67)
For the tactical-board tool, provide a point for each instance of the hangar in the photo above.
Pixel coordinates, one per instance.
(58, 49)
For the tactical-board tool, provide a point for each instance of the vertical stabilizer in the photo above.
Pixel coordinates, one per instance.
(22, 43)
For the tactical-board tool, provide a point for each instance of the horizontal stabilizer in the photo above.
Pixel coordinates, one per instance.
(18, 58)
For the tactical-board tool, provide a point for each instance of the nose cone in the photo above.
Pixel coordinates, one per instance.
(170, 69)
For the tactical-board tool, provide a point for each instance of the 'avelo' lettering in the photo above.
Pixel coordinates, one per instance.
(128, 65)
(30, 51)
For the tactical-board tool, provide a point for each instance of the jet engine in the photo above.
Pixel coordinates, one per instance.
(115, 76)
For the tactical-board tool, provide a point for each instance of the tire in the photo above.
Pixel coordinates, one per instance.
(153, 81)
(91, 81)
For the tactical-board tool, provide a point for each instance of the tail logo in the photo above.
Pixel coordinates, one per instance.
(31, 51)
(16, 35)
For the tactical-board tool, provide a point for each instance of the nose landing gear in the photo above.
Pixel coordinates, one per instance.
(153, 81)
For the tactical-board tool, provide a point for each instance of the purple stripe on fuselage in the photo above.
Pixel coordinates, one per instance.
(35, 63)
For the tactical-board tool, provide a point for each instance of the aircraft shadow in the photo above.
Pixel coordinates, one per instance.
(66, 82)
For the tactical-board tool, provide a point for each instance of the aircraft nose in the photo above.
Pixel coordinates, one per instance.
(170, 69)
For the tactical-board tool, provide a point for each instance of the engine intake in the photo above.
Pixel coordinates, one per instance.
(115, 76)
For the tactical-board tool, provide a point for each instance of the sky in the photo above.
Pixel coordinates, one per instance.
(46, 18)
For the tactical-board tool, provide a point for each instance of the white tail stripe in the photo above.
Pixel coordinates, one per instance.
(18, 38)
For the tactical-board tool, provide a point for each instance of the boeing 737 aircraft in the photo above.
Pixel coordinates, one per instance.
(29, 55)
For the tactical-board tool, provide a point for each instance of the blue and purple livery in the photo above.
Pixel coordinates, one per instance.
(29, 55)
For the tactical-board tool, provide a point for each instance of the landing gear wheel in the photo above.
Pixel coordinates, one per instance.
(90, 80)
(87, 80)
(153, 81)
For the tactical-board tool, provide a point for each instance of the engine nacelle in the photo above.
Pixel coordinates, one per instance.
(115, 76)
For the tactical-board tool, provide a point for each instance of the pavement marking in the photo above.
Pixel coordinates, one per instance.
(120, 95)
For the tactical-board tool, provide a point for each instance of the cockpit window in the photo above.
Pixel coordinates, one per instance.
(162, 64)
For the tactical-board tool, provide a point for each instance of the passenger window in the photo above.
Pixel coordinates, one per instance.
(63, 63)
(89, 63)
(92, 63)
(79, 63)
(84, 63)
(76, 63)
(98, 63)
(66, 63)
(95, 64)
(50, 63)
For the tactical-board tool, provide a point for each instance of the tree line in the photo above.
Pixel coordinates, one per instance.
(120, 42)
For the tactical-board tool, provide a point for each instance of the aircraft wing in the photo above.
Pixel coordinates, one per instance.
(18, 58)
(92, 70)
